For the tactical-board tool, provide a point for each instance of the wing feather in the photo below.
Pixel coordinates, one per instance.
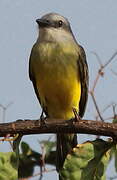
(84, 78)
(32, 78)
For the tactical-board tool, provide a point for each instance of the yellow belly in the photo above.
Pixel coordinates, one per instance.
(59, 92)
(59, 87)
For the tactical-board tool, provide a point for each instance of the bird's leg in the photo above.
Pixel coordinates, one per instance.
(42, 119)
(77, 117)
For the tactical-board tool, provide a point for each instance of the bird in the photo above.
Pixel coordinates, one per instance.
(58, 70)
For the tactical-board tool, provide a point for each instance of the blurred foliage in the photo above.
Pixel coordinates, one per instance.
(48, 146)
(113, 152)
(8, 166)
(86, 161)
(30, 158)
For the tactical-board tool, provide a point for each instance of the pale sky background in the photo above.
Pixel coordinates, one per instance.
(94, 24)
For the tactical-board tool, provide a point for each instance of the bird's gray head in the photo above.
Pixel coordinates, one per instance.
(54, 27)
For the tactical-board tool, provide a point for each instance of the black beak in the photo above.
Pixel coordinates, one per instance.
(43, 22)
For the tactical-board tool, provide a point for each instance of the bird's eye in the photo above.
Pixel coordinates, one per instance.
(60, 23)
(47, 21)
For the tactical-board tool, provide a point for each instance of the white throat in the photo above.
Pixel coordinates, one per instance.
(55, 35)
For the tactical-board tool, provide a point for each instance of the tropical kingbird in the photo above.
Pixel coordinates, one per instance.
(59, 73)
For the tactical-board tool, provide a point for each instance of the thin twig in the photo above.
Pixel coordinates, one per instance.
(115, 73)
(97, 57)
(107, 107)
(109, 118)
(96, 106)
(100, 73)
(95, 82)
(43, 156)
(110, 60)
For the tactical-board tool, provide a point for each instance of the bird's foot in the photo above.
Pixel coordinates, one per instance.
(77, 117)
(43, 120)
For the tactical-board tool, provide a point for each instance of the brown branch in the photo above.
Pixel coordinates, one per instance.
(27, 127)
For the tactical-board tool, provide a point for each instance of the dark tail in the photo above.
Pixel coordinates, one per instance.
(65, 143)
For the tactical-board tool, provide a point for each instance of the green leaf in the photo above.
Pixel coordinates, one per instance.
(25, 148)
(27, 161)
(87, 161)
(8, 166)
(26, 167)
